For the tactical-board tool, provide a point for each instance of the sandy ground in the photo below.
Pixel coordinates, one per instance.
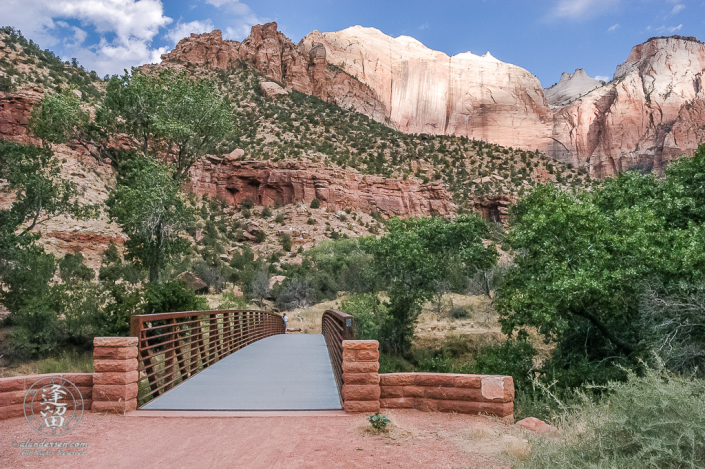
(416, 440)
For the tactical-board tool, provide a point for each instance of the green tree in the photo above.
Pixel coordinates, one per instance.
(149, 210)
(583, 261)
(166, 115)
(417, 253)
(40, 195)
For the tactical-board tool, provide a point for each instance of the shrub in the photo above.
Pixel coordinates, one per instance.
(286, 242)
(370, 315)
(513, 358)
(657, 420)
(171, 297)
(247, 203)
(315, 203)
(279, 219)
(266, 212)
(246, 213)
(311, 221)
(260, 236)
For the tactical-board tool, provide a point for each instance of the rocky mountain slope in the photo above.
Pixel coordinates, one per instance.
(651, 112)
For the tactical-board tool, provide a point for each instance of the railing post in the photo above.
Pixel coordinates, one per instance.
(169, 357)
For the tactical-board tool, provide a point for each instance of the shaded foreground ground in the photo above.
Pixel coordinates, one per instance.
(416, 440)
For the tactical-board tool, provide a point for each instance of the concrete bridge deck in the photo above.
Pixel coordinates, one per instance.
(282, 372)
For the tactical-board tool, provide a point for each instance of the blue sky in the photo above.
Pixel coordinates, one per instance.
(546, 37)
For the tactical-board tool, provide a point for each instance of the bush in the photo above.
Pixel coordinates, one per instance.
(655, 421)
(513, 358)
(266, 212)
(247, 203)
(286, 242)
(246, 213)
(315, 203)
(35, 333)
(370, 315)
(279, 219)
(172, 296)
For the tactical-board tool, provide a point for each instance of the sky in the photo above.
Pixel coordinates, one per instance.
(546, 37)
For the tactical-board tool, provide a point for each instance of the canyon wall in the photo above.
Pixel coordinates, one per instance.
(653, 111)
(426, 91)
(276, 57)
(268, 183)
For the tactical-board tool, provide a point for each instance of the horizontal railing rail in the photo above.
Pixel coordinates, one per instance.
(337, 327)
(176, 346)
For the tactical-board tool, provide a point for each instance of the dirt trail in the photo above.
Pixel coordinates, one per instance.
(417, 440)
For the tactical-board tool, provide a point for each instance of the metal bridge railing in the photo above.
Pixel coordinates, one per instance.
(176, 346)
(337, 327)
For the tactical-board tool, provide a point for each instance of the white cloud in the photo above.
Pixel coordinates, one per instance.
(613, 28)
(126, 28)
(602, 78)
(669, 29)
(579, 9)
(182, 30)
(423, 26)
(677, 9)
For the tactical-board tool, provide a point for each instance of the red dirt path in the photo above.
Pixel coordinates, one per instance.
(418, 440)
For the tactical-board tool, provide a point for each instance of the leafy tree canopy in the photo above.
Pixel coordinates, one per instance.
(149, 210)
(417, 253)
(583, 259)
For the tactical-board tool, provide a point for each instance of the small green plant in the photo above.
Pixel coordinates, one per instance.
(279, 219)
(378, 421)
(266, 213)
(315, 203)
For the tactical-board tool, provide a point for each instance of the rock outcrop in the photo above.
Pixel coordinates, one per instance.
(15, 109)
(426, 91)
(570, 87)
(268, 183)
(276, 57)
(653, 111)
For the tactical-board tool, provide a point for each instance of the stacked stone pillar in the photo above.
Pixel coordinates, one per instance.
(115, 374)
(361, 390)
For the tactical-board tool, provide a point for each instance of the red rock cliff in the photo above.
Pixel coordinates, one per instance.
(267, 183)
(276, 57)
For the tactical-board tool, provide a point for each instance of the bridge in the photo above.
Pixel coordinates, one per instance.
(238, 360)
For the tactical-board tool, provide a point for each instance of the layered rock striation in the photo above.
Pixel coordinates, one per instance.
(268, 183)
(426, 91)
(653, 111)
(304, 69)
(15, 110)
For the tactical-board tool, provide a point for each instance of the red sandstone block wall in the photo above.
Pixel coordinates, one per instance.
(365, 390)
(13, 390)
(446, 392)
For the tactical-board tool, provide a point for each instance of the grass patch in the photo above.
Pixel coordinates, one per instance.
(653, 421)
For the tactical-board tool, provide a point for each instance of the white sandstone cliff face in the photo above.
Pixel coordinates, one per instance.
(570, 87)
(653, 111)
(426, 91)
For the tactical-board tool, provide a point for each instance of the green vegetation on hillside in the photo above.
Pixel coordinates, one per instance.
(23, 63)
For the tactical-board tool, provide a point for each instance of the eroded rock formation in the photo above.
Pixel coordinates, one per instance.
(570, 87)
(426, 91)
(276, 57)
(15, 109)
(653, 111)
(267, 183)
